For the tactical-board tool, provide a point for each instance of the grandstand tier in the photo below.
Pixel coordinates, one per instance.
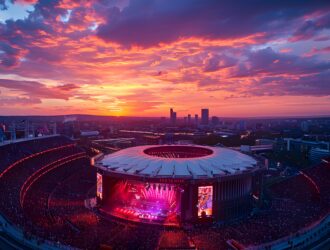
(45, 184)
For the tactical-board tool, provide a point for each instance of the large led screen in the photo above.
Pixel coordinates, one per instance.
(205, 200)
(152, 201)
(99, 188)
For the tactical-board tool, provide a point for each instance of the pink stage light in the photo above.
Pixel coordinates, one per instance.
(139, 200)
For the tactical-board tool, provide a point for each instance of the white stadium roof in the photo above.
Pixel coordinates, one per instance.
(174, 161)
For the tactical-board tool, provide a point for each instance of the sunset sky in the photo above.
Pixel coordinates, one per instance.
(141, 57)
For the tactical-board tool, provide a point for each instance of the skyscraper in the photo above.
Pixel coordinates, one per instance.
(214, 120)
(205, 117)
(196, 119)
(189, 119)
(172, 116)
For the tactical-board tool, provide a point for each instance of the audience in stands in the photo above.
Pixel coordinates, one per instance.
(54, 208)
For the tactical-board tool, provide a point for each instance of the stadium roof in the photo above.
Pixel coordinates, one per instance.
(193, 162)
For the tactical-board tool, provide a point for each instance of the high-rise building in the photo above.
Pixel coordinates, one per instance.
(2, 133)
(196, 119)
(215, 120)
(304, 126)
(189, 119)
(172, 116)
(241, 125)
(205, 117)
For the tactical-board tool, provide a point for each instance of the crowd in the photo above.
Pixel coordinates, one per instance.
(12, 182)
(321, 176)
(19, 163)
(293, 207)
(54, 206)
(87, 229)
(174, 239)
(15, 151)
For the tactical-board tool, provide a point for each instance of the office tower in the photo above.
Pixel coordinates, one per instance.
(196, 119)
(189, 119)
(172, 116)
(215, 120)
(205, 117)
(241, 125)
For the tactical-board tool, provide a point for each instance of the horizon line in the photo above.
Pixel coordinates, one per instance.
(127, 116)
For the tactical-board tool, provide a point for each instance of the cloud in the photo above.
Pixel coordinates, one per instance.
(17, 101)
(3, 5)
(34, 89)
(145, 55)
(316, 51)
(216, 62)
(9, 56)
(313, 85)
(311, 27)
(151, 22)
(267, 61)
(68, 87)
(25, 1)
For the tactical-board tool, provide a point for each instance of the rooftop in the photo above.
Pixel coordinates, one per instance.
(174, 161)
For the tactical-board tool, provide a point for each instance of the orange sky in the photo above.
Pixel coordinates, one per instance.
(90, 59)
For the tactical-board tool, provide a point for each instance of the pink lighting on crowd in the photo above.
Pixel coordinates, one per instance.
(44, 170)
(311, 182)
(32, 156)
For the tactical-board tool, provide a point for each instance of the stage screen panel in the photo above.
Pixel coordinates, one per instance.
(205, 200)
(99, 188)
(135, 200)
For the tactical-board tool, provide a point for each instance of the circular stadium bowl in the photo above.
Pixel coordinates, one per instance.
(171, 184)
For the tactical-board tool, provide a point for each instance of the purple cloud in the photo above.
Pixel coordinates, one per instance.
(267, 61)
(9, 55)
(150, 22)
(313, 85)
(216, 62)
(311, 27)
(34, 88)
(12, 101)
(223, 53)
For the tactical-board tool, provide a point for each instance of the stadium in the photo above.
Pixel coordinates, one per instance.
(154, 197)
(174, 184)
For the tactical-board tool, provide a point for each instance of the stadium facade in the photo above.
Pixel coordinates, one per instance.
(172, 184)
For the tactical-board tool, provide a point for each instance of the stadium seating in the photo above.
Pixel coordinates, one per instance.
(51, 204)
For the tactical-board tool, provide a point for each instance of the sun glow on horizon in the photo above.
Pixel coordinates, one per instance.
(66, 58)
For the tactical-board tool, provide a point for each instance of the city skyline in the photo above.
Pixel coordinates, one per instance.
(139, 58)
(164, 124)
